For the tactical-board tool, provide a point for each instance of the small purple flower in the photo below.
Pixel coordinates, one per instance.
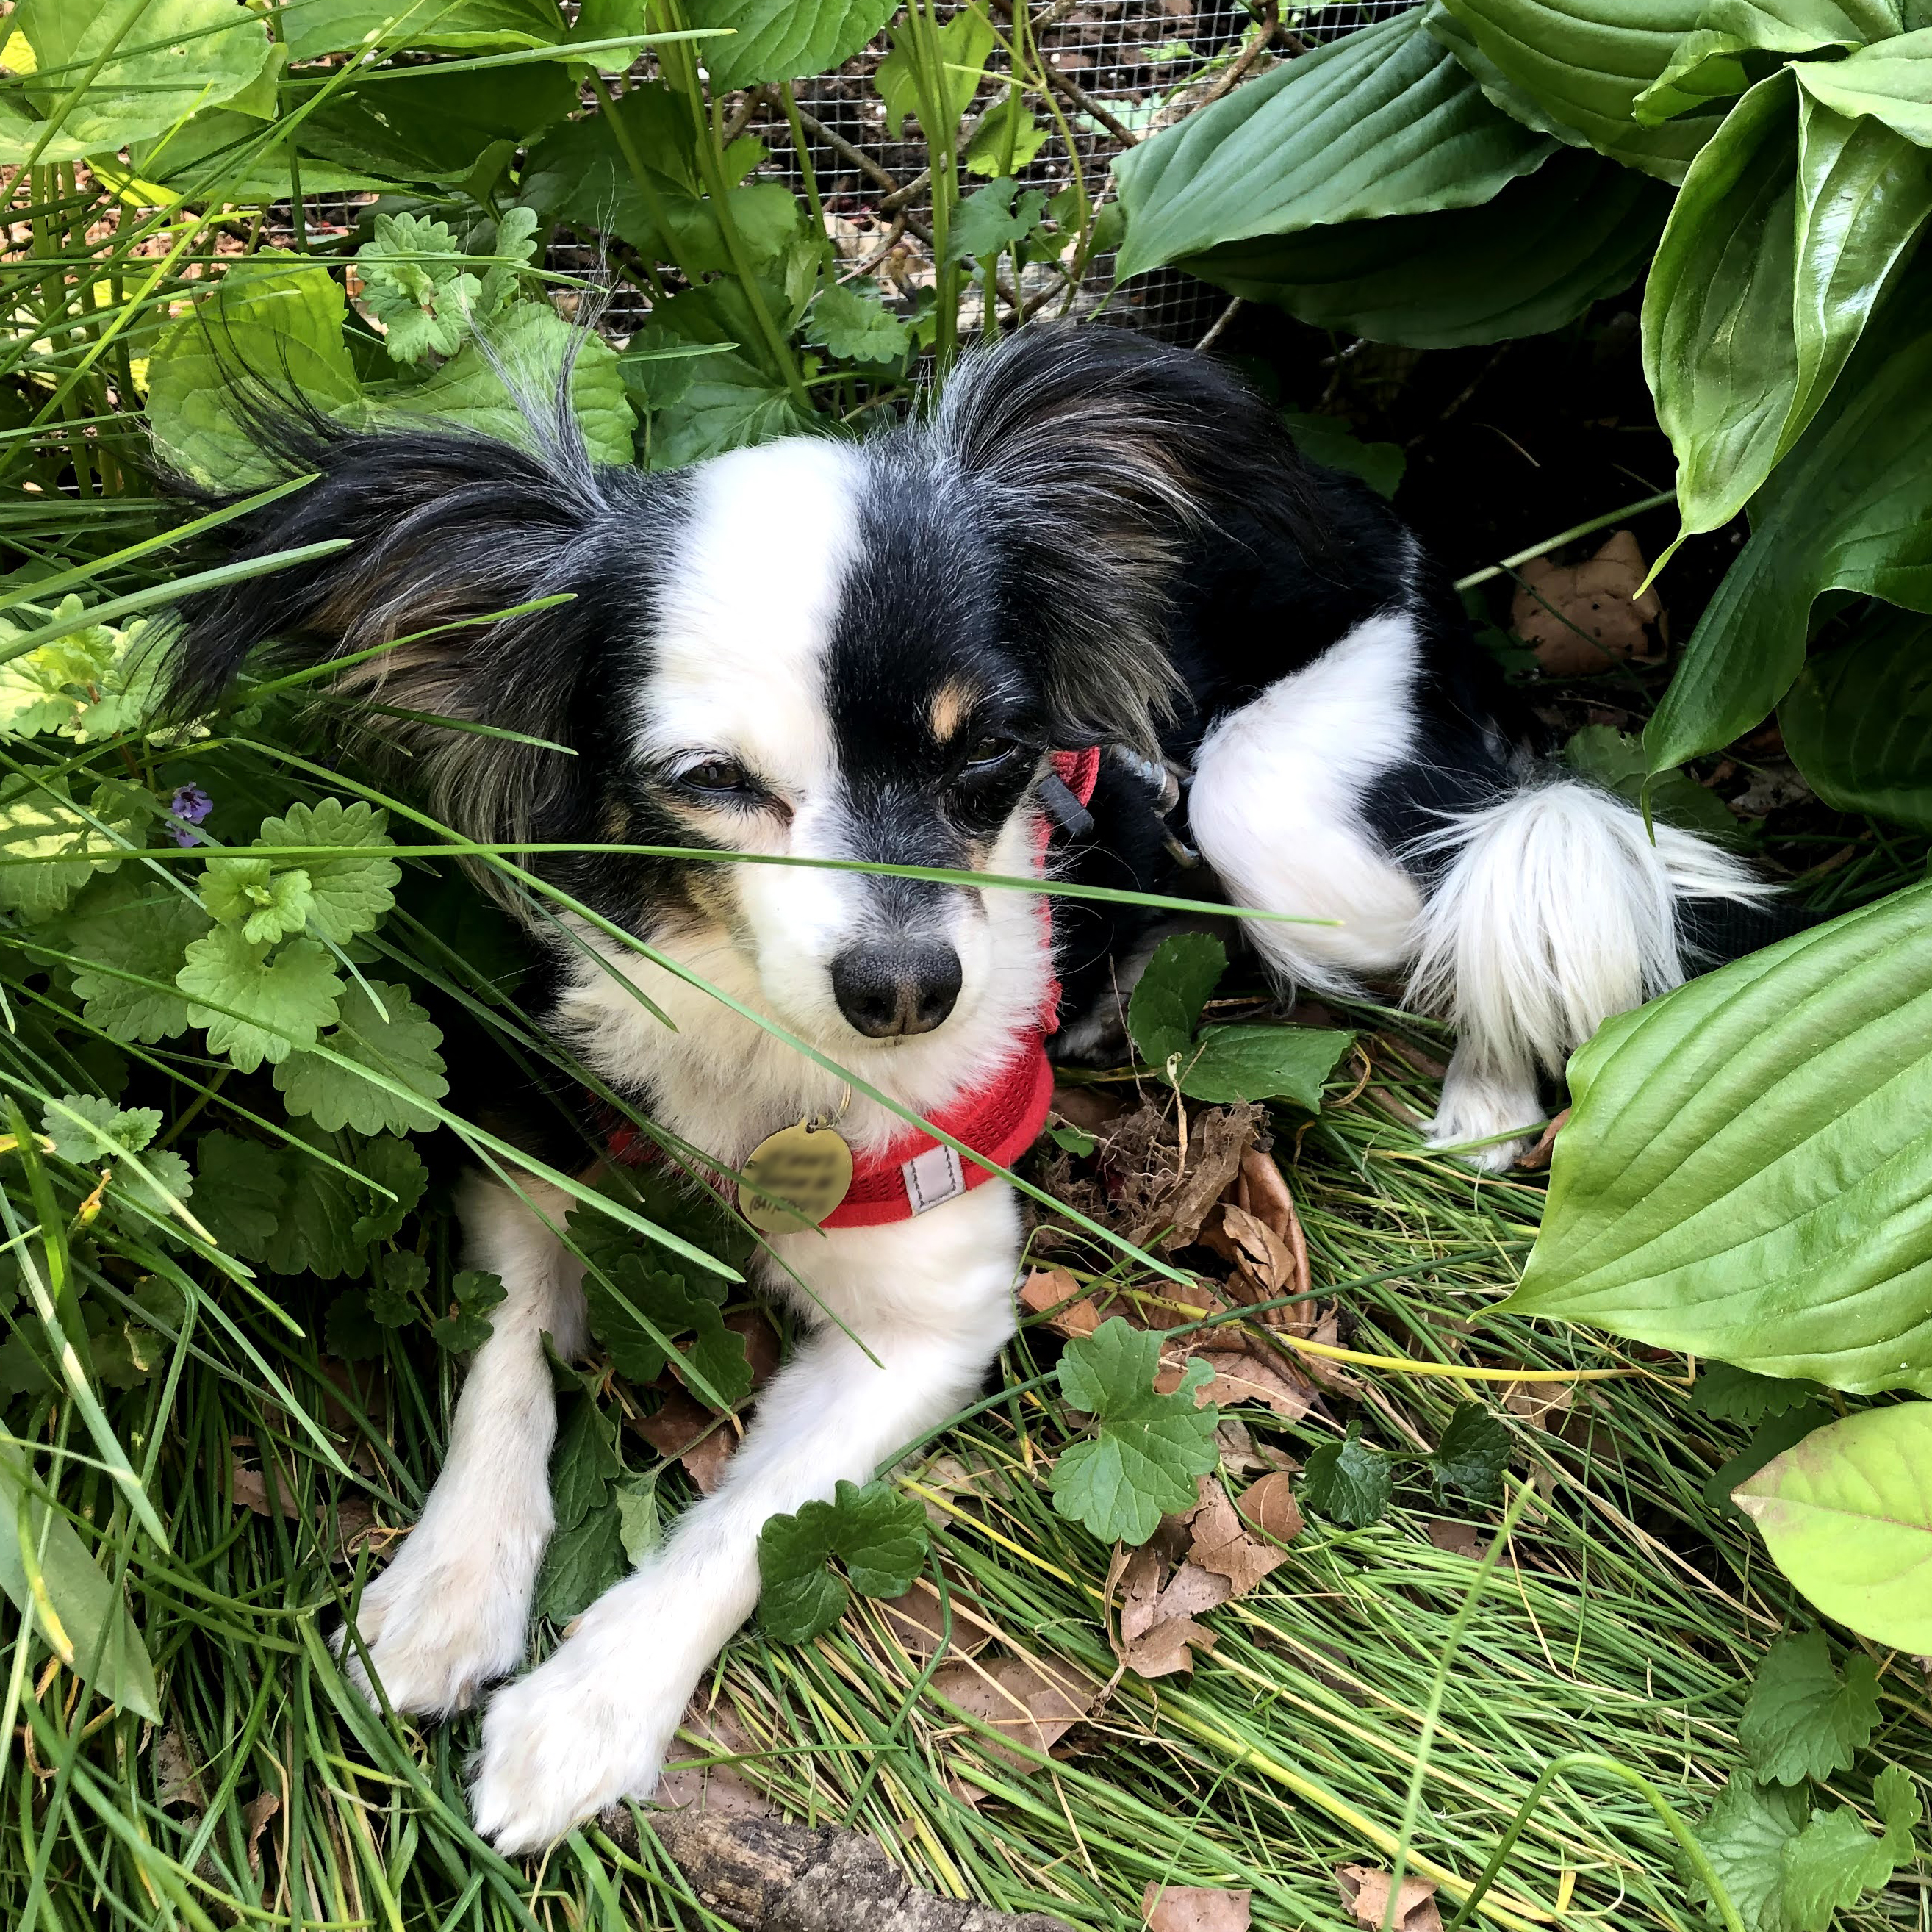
(190, 805)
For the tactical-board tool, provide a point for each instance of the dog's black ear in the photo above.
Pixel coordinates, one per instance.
(1102, 453)
(444, 528)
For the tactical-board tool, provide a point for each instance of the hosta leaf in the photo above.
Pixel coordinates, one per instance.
(1710, 65)
(1584, 65)
(964, 42)
(1857, 723)
(1849, 509)
(879, 1535)
(1533, 259)
(1384, 121)
(1165, 1005)
(1746, 1172)
(174, 57)
(1847, 1516)
(782, 40)
(1891, 81)
(1149, 1446)
(261, 1008)
(1262, 1063)
(95, 1619)
(402, 1048)
(1787, 230)
(1802, 1719)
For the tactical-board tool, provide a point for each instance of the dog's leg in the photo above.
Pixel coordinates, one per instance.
(931, 1300)
(449, 1614)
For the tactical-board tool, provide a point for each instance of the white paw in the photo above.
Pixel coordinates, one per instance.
(447, 1617)
(1478, 1112)
(588, 1727)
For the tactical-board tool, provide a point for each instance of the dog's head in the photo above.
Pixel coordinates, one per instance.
(816, 648)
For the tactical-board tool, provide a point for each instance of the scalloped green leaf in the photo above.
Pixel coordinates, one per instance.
(1746, 1172)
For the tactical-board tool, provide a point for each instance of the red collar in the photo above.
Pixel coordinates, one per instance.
(999, 1119)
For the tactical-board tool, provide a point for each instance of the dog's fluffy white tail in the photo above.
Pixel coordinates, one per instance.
(1554, 909)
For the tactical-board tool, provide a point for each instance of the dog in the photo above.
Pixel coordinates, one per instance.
(1095, 560)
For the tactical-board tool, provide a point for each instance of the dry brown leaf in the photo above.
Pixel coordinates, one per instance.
(918, 1620)
(719, 1790)
(1195, 1908)
(1035, 1707)
(1140, 1186)
(1158, 1633)
(1541, 1404)
(1089, 1109)
(355, 1523)
(1330, 1375)
(256, 1816)
(1270, 1506)
(176, 1779)
(1459, 1539)
(761, 1342)
(1581, 618)
(680, 1428)
(250, 1489)
(1223, 1545)
(1537, 1158)
(1074, 1313)
(1365, 1892)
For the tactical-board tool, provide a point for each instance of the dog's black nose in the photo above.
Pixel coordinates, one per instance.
(898, 986)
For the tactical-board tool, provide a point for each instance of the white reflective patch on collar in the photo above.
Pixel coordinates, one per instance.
(933, 1178)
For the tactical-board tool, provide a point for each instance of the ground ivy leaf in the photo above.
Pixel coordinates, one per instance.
(879, 1535)
(1731, 1394)
(1348, 1481)
(986, 222)
(349, 1329)
(395, 1164)
(1472, 1454)
(472, 1295)
(267, 906)
(676, 1309)
(392, 1299)
(402, 1048)
(283, 1002)
(639, 1521)
(243, 1187)
(1744, 1838)
(1262, 1063)
(353, 893)
(167, 1174)
(1802, 1719)
(103, 1131)
(41, 822)
(315, 1230)
(856, 327)
(1149, 1446)
(416, 284)
(1168, 997)
(140, 926)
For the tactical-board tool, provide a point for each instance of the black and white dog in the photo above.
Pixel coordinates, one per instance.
(870, 650)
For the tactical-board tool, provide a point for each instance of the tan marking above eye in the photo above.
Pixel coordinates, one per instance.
(952, 705)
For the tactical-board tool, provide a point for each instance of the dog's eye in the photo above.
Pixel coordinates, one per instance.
(990, 752)
(722, 775)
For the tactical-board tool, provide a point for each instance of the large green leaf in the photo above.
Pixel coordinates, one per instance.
(1548, 246)
(1717, 347)
(1850, 509)
(1891, 81)
(1787, 230)
(269, 324)
(1747, 1173)
(1716, 60)
(529, 344)
(341, 26)
(94, 1620)
(425, 126)
(1584, 64)
(173, 57)
(230, 157)
(1384, 121)
(1847, 1516)
(780, 40)
(1857, 723)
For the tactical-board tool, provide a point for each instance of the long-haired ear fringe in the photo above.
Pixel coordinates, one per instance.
(1103, 452)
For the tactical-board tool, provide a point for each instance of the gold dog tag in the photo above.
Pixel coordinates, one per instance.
(805, 1170)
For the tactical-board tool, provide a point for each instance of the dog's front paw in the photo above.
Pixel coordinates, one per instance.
(590, 1727)
(1477, 1114)
(446, 1619)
